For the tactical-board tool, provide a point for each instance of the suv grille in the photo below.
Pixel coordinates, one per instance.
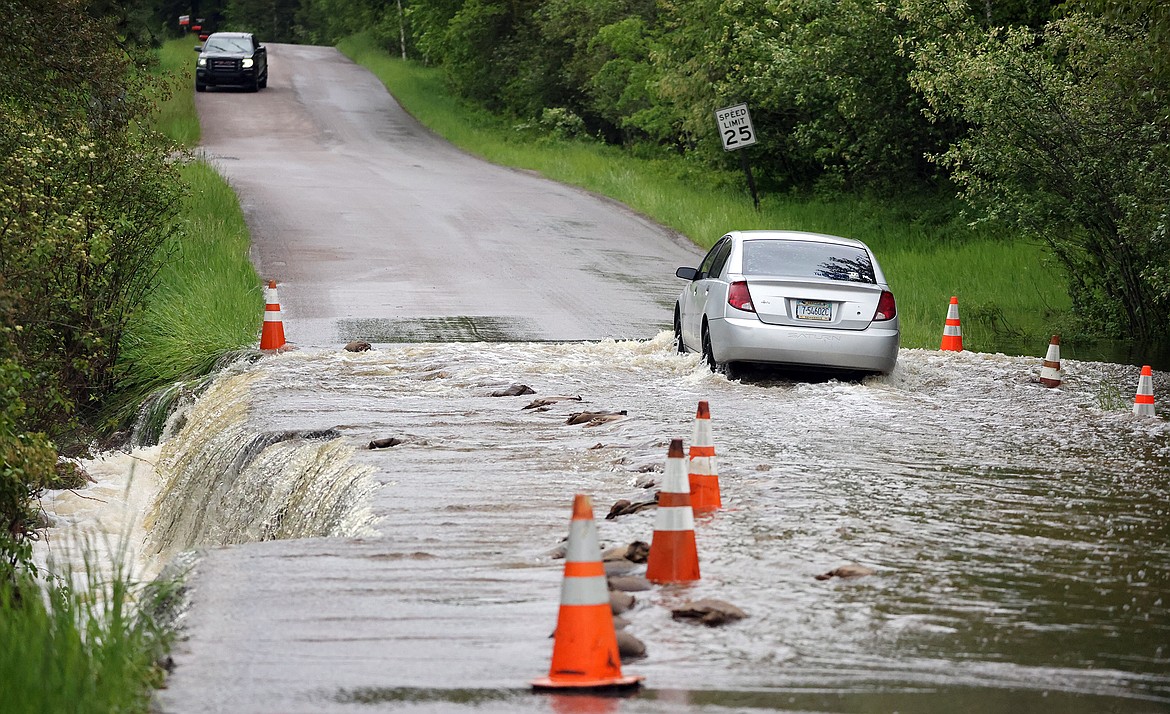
(224, 65)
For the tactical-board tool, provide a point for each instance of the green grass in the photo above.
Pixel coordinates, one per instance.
(1009, 294)
(176, 109)
(94, 647)
(207, 300)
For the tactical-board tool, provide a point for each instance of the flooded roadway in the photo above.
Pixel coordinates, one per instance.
(1020, 535)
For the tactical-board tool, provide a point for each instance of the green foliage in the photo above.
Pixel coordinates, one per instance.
(204, 302)
(26, 462)
(97, 648)
(174, 115)
(87, 197)
(271, 20)
(1068, 140)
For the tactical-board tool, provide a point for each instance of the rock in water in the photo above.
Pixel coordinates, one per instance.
(385, 443)
(514, 391)
(709, 612)
(852, 570)
(620, 602)
(629, 647)
(599, 417)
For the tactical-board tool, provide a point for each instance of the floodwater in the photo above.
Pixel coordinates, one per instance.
(1019, 535)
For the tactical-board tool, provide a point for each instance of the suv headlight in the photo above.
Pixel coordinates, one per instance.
(202, 62)
(246, 63)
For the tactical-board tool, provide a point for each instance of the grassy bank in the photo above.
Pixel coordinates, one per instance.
(94, 648)
(97, 644)
(1008, 291)
(207, 298)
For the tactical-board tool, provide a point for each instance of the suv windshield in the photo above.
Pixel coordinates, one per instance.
(807, 259)
(227, 44)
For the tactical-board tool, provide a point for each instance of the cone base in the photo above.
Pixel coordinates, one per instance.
(546, 684)
(1047, 382)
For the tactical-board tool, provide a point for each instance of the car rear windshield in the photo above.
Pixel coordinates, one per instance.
(807, 259)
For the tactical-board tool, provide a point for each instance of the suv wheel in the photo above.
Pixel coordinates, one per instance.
(200, 87)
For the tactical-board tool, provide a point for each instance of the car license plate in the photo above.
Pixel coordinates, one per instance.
(814, 310)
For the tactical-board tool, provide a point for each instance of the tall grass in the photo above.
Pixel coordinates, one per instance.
(176, 108)
(1009, 293)
(94, 646)
(207, 299)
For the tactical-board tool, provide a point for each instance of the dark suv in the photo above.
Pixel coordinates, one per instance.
(231, 59)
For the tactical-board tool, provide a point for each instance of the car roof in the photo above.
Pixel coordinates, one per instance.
(795, 235)
(230, 34)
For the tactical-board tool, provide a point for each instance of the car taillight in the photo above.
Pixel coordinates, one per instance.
(886, 309)
(739, 297)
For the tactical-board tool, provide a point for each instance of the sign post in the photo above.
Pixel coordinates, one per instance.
(736, 131)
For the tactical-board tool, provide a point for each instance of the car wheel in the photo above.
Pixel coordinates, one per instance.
(200, 87)
(264, 81)
(727, 369)
(708, 354)
(678, 341)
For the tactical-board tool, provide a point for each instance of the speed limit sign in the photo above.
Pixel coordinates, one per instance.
(735, 127)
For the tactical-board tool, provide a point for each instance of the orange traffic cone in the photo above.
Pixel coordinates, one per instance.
(272, 335)
(704, 480)
(1143, 401)
(673, 558)
(1050, 367)
(952, 340)
(585, 650)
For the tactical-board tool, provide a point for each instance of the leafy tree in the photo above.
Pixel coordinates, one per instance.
(87, 197)
(272, 20)
(426, 24)
(1069, 141)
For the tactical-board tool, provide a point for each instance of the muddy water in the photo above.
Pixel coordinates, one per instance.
(1020, 536)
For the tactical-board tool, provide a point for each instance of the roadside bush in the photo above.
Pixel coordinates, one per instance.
(87, 197)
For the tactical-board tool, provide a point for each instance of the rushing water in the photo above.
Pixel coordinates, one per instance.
(1020, 535)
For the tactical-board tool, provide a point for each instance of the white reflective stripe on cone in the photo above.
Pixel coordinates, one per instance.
(585, 591)
(675, 518)
(583, 547)
(703, 465)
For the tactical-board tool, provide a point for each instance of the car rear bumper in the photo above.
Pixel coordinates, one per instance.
(874, 349)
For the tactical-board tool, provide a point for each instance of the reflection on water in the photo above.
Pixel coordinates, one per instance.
(1020, 536)
(1155, 354)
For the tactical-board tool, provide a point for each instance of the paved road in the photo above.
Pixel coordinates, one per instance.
(376, 229)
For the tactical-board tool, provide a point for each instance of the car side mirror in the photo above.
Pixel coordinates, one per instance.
(687, 273)
(198, 48)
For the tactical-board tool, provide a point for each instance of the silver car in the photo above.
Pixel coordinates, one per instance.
(800, 300)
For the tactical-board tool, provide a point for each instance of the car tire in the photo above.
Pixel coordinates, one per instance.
(727, 369)
(264, 81)
(708, 353)
(200, 87)
(678, 340)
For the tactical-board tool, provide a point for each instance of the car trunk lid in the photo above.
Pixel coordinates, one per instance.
(831, 304)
